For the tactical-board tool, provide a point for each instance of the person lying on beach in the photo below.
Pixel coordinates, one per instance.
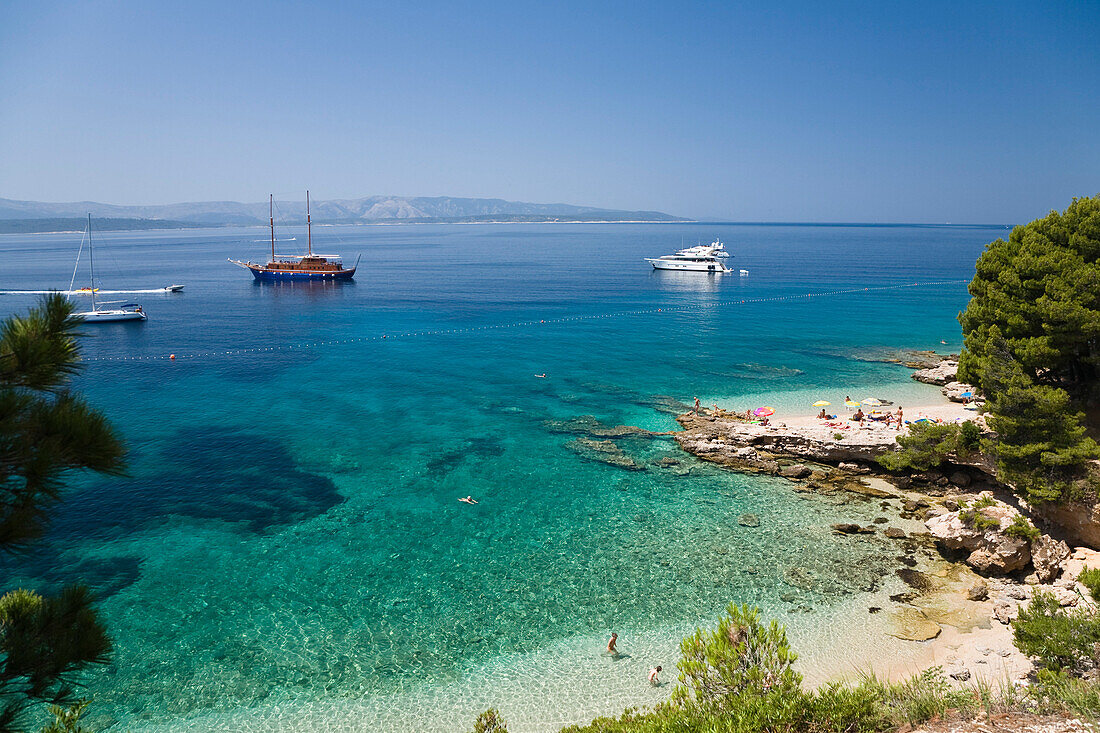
(468, 500)
(653, 675)
(611, 644)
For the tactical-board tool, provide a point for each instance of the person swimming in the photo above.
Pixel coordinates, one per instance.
(468, 500)
(541, 376)
(611, 644)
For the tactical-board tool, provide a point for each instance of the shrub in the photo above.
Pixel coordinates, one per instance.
(969, 437)
(982, 502)
(926, 446)
(1023, 529)
(742, 658)
(974, 519)
(838, 436)
(1058, 691)
(1058, 638)
(490, 722)
(1090, 578)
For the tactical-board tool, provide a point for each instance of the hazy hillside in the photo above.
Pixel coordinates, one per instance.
(370, 209)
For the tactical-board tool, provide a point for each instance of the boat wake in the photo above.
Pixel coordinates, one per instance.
(85, 291)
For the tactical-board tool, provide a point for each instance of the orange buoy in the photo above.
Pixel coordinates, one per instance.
(172, 357)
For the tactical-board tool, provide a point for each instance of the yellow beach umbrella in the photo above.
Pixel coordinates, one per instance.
(821, 403)
(872, 402)
(850, 403)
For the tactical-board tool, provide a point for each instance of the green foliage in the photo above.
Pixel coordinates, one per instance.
(838, 436)
(982, 502)
(1040, 291)
(67, 720)
(741, 658)
(1060, 639)
(1058, 691)
(974, 519)
(970, 436)
(1022, 529)
(46, 432)
(490, 722)
(927, 445)
(1032, 345)
(1090, 578)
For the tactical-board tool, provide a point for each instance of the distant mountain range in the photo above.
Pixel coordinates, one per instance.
(368, 210)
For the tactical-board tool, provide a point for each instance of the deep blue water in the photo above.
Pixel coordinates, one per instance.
(289, 527)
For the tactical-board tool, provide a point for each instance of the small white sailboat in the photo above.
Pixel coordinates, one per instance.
(122, 312)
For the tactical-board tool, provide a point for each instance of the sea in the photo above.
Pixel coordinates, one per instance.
(287, 551)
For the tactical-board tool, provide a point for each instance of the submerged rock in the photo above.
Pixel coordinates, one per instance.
(604, 451)
(749, 520)
(911, 624)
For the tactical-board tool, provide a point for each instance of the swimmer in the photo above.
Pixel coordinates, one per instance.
(611, 644)
(653, 675)
(541, 376)
(468, 500)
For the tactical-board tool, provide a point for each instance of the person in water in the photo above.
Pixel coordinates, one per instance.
(611, 644)
(468, 500)
(653, 675)
(696, 405)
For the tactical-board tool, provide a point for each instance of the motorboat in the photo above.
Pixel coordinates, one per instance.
(701, 258)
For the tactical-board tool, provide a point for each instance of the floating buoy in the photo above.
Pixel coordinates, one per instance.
(172, 357)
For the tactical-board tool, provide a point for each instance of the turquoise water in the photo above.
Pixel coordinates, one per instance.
(288, 551)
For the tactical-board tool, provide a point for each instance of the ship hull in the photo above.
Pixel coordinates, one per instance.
(264, 275)
(688, 265)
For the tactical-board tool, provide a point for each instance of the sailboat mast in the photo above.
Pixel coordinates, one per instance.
(91, 261)
(309, 227)
(271, 214)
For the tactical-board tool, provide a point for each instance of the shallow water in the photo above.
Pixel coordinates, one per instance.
(288, 552)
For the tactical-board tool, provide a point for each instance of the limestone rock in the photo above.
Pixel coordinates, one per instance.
(749, 520)
(991, 550)
(941, 374)
(894, 533)
(959, 478)
(954, 391)
(1005, 612)
(912, 625)
(978, 592)
(1081, 558)
(846, 528)
(1048, 555)
(796, 470)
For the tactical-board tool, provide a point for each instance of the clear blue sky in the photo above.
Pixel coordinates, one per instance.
(797, 111)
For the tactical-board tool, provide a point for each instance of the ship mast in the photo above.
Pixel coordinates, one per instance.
(309, 227)
(91, 261)
(271, 214)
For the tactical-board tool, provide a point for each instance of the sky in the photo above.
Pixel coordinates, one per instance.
(959, 112)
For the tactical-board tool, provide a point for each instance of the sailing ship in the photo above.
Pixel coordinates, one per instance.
(311, 267)
(121, 312)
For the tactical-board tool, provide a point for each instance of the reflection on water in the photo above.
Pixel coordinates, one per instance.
(699, 282)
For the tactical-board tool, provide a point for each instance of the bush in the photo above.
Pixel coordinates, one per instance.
(982, 502)
(490, 722)
(969, 437)
(1023, 529)
(740, 659)
(926, 446)
(1059, 639)
(974, 519)
(1090, 578)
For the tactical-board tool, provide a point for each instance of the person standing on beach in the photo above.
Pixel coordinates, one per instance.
(611, 644)
(653, 675)
(900, 421)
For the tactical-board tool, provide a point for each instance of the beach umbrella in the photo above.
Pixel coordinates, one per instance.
(850, 403)
(872, 402)
(821, 403)
(763, 411)
(967, 394)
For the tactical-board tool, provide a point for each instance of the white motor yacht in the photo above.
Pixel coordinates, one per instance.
(702, 258)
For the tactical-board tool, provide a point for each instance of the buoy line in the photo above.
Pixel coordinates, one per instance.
(517, 324)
